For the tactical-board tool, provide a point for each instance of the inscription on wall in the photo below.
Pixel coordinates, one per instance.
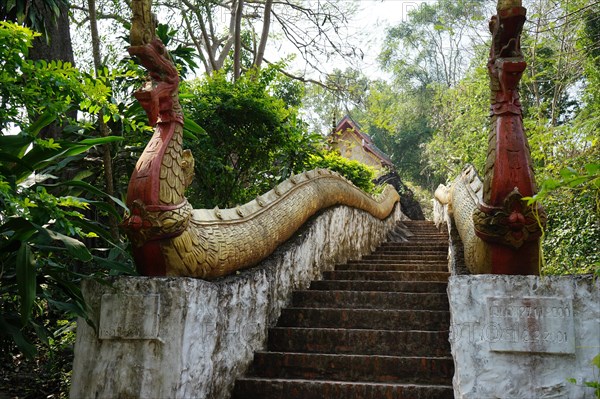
(531, 324)
(129, 316)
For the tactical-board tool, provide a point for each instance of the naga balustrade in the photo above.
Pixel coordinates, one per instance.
(502, 235)
(168, 236)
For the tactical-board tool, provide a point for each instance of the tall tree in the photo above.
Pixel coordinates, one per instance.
(51, 18)
(102, 126)
(433, 44)
(214, 28)
(399, 118)
(55, 44)
(342, 93)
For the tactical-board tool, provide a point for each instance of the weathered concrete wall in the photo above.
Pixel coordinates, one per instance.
(524, 336)
(183, 338)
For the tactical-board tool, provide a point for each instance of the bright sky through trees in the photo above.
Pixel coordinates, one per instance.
(368, 30)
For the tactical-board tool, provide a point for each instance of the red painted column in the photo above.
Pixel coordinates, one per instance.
(510, 228)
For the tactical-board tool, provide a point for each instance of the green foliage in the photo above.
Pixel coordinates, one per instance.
(38, 15)
(344, 93)
(560, 92)
(398, 120)
(49, 373)
(429, 46)
(572, 202)
(48, 240)
(183, 56)
(359, 174)
(592, 384)
(426, 54)
(461, 123)
(251, 139)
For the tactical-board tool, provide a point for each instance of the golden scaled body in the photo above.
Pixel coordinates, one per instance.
(170, 238)
(220, 242)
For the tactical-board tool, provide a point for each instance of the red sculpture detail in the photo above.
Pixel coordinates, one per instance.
(504, 221)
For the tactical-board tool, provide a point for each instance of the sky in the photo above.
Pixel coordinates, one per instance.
(369, 24)
(375, 17)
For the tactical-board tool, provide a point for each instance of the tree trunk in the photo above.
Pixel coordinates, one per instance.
(264, 35)
(104, 130)
(237, 47)
(57, 46)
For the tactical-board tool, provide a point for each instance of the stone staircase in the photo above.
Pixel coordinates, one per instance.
(372, 328)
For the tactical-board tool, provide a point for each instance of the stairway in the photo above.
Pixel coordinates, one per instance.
(372, 328)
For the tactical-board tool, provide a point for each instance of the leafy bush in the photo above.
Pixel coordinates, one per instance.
(358, 173)
(251, 141)
(51, 220)
(572, 202)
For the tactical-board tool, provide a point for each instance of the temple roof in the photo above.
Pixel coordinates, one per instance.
(347, 124)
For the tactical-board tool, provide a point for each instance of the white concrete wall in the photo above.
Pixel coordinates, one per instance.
(189, 338)
(524, 336)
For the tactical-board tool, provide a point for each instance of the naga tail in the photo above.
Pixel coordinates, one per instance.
(168, 236)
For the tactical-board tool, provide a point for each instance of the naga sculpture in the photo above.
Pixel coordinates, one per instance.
(500, 232)
(169, 237)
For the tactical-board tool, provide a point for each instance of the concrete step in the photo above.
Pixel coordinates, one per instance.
(375, 285)
(339, 367)
(442, 257)
(416, 248)
(359, 342)
(427, 241)
(369, 300)
(373, 328)
(399, 262)
(374, 319)
(376, 266)
(425, 253)
(262, 388)
(385, 275)
(425, 238)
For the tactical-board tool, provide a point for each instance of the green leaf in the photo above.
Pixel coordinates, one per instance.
(82, 174)
(43, 121)
(15, 145)
(26, 281)
(101, 140)
(193, 127)
(88, 226)
(592, 168)
(551, 184)
(119, 267)
(92, 189)
(26, 347)
(75, 247)
(68, 307)
(567, 173)
(22, 228)
(596, 361)
(189, 135)
(105, 207)
(10, 158)
(577, 181)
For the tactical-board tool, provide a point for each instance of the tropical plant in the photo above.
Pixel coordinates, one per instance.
(251, 139)
(51, 220)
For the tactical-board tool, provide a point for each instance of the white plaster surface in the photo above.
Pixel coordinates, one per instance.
(199, 336)
(496, 359)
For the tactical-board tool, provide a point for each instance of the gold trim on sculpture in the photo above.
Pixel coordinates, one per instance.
(168, 236)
